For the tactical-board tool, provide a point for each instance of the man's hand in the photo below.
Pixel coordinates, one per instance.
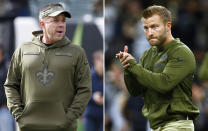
(125, 57)
(120, 54)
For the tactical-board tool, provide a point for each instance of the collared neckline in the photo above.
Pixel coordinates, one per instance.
(169, 45)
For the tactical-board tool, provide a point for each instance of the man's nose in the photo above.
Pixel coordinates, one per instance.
(150, 32)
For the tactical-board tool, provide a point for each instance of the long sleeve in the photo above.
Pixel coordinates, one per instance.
(83, 86)
(180, 65)
(133, 86)
(12, 85)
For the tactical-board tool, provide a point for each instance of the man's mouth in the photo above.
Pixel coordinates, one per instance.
(59, 32)
(152, 38)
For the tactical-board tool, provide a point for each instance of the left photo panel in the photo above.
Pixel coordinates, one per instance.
(51, 65)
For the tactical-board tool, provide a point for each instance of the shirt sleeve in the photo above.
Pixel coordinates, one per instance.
(83, 84)
(133, 85)
(180, 64)
(12, 85)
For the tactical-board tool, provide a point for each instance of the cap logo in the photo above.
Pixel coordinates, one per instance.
(49, 11)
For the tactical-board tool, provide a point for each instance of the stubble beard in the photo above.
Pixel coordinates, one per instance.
(160, 39)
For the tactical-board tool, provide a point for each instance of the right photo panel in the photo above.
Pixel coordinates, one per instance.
(156, 65)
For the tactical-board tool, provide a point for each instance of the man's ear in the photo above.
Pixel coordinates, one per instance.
(41, 24)
(169, 25)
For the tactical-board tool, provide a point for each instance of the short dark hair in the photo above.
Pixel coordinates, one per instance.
(163, 12)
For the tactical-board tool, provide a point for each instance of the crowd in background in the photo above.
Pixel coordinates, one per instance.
(9, 10)
(123, 27)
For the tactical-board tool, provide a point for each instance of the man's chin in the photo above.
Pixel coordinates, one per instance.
(153, 43)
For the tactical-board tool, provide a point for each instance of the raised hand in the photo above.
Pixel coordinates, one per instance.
(124, 57)
(120, 54)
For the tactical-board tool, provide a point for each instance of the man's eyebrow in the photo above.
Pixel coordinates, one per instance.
(155, 24)
(145, 26)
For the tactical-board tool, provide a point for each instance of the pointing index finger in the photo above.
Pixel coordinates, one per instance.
(126, 48)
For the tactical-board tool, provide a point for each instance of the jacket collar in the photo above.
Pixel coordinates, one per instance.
(170, 45)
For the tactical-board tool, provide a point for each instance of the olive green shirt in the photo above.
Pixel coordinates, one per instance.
(164, 78)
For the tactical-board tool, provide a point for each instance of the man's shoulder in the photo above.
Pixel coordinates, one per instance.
(72, 45)
(75, 48)
(25, 44)
(181, 49)
(181, 52)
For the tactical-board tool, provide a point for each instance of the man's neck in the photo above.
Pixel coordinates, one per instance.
(46, 40)
(168, 40)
